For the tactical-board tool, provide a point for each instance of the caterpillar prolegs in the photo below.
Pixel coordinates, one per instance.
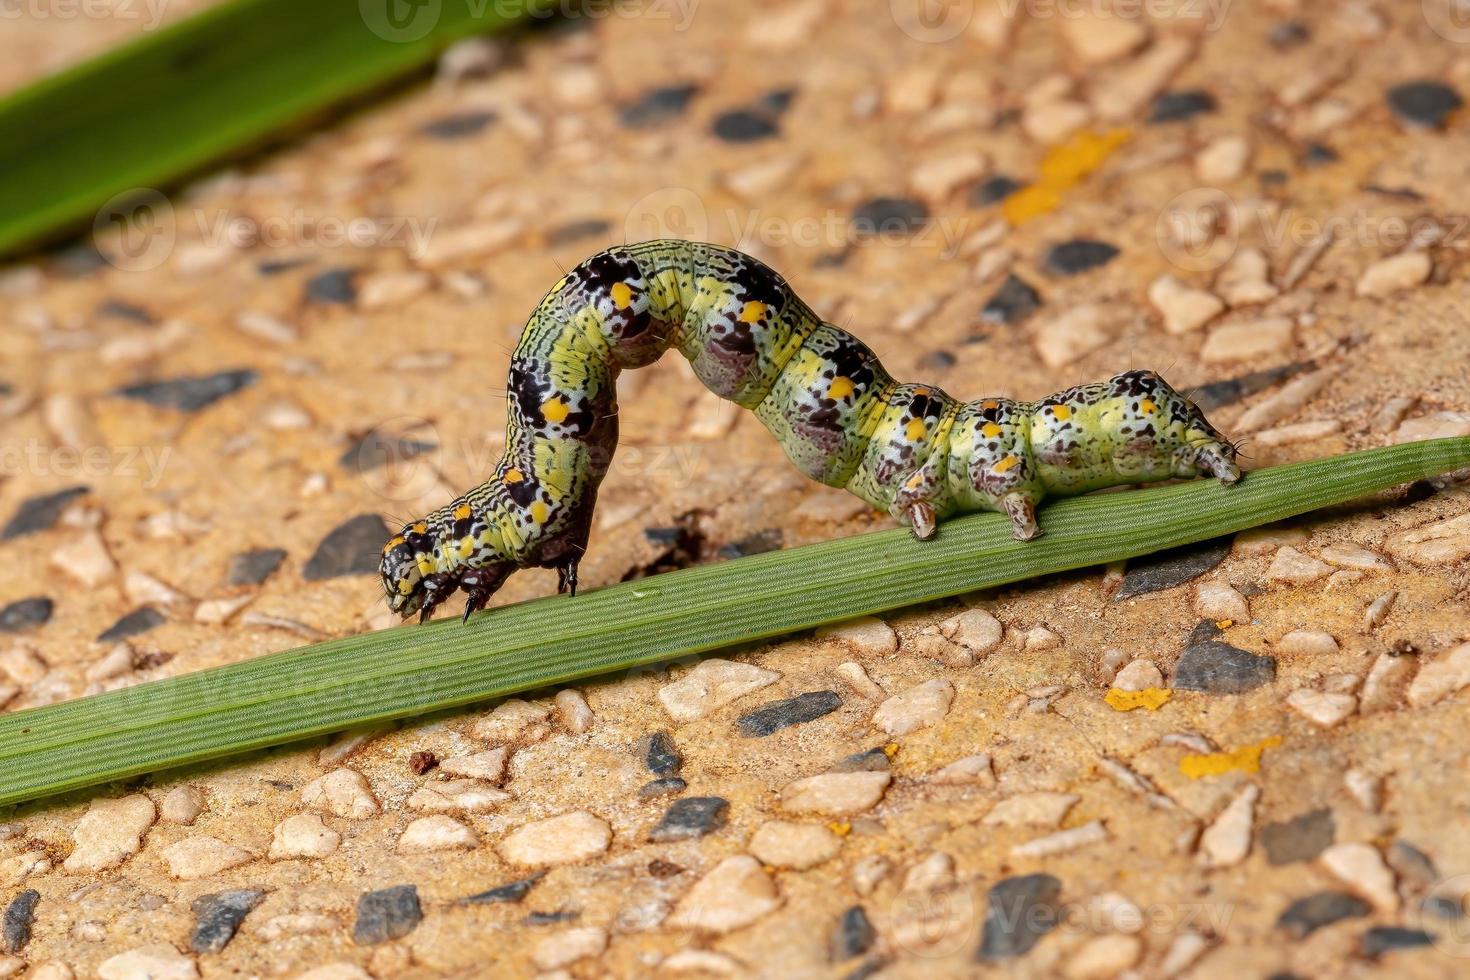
(908, 449)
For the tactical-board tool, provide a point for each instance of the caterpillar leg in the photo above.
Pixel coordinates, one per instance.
(566, 577)
(1021, 509)
(482, 583)
(922, 520)
(1217, 460)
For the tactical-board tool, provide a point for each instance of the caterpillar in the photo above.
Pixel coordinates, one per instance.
(908, 449)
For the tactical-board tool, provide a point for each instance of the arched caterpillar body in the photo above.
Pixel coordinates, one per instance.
(908, 449)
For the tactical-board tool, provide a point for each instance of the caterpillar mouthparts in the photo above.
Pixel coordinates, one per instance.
(908, 449)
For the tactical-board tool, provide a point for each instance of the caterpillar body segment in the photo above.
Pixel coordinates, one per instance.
(907, 449)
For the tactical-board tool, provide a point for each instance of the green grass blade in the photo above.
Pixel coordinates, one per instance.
(412, 670)
(160, 108)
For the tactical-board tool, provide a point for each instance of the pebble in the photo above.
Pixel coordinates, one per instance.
(567, 947)
(201, 856)
(777, 715)
(657, 106)
(1071, 335)
(1265, 540)
(15, 927)
(1180, 105)
(1439, 425)
(1306, 915)
(267, 328)
(1292, 566)
(336, 971)
(1325, 709)
(1219, 668)
(1217, 600)
(217, 612)
(1098, 37)
(1442, 543)
(22, 664)
(350, 548)
(1227, 840)
(564, 839)
(853, 936)
(975, 629)
(1013, 302)
(489, 766)
(1361, 867)
(1127, 89)
(889, 216)
(158, 961)
(254, 567)
(1386, 682)
(798, 846)
(857, 679)
(41, 512)
(1019, 911)
(835, 793)
(342, 793)
(712, 684)
(1385, 939)
(660, 756)
(931, 644)
(456, 796)
(451, 246)
(510, 892)
(732, 895)
(1184, 308)
(1139, 675)
(1352, 556)
(1308, 643)
(24, 614)
(1174, 567)
(1222, 160)
(936, 177)
(384, 289)
(1041, 638)
(109, 833)
(1051, 121)
(1062, 841)
(1301, 838)
(744, 126)
(663, 786)
(1031, 810)
(918, 707)
(436, 833)
(700, 962)
(1245, 279)
(1394, 274)
(763, 177)
(972, 769)
(1392, 412)
(191, 393)
(691, 817)
(181, 805)
(573, 711)
(1364, 787)
(386, 914)
(303, 836)
(142, 588)
(86, 559)
(1424, 104)
(217, 917)
(135, 623)
(1248, 339)
(1102, 957)
(456, 125)
(1079, 255)
(1293, 396)
(994, 190)
(512, 720)
(868, 873)
(1441, 677)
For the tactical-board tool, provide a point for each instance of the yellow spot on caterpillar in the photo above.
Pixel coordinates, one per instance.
(1152, 698)
(425, 565)
(514, 475)
(1247, 758)
(538, 512)
(990, 430)
(1062, 412)
(466, 547)
(916, 430)
(1007, 464)
(462, 512)
(622, 295)
(990, 403)
(405, 586)
(393, 542)
(1148, 406)
(753, 313)
(840, 388)
(914, 481)
(920, 390)
(420, 528)
(554, 409)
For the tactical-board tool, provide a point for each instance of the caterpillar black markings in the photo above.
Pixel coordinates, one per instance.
(908, 449)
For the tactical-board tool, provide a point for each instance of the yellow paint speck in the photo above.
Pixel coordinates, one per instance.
(1063, 168)
(1152, 698)
(1247, 758)
(840, 829)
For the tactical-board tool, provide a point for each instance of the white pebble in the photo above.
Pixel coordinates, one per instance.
(936, 177)
(384, 289)
(456, 796)
(1439, 544)
(1324, 709)
(1063, 840)
(1071, 335)
(1248, 339)
(564, 839)
(489, 766)
(735, 893)
(109, 833)
(1441, 677)
(86, 559)
(303, 836)
(1438, 425)
(1362, 868)
(977, 769)
(1299, 432)
(1102, 957)
(216, 612)
(835, 793)
(1244, 280)
(567, 947)
(155, 962)
(783, 844)
(1223, 159)
(918, 707)
(1308, 643)
(436, 833)
(1291, 565)
(857, 680)
(1139, 675)
(1386, 682)
(1293, 396)
(865, 635)
(712, 684)
(511, 720)
(974, 629)
(22, 663)
(1218, 600)
(1352, 556)
(1395, 273)
(1227, 840)
(1365, 788)
(573, 711)
(1096, 36)
(1378, 609)
(342, 793)
(1031, 810)
(201, 856)
(181, 805)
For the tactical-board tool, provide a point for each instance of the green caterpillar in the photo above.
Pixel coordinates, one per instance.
(907, 449)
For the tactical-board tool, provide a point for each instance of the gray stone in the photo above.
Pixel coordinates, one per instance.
(1167, 569)
(660, 755)
(1306, 915)
(15, 928)
(1219, 668)
(189, 394)
(854, 935)
(389, 913)
(777, 715)
(1019, 911)
(510, 892)
(691, 817)
(351, 548)
(218, 916)
(40, 513)
(1301, 838)
(1385, 939)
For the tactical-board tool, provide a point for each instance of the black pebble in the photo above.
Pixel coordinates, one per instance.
(352, 548)
(1166, 569)
(24, 614)
(275, 267)
(390, 913)
(657, 106)
(660, 755)
(1319, 155)
(218, 916)
(1078, 256)
(783, 714)
(767, 539)
(1301, 838)
(1385, 939)
(576, 230)
(15, 929)
(1019, 911)
(663, 786)
(1273, 178)
(76, 261)
(777, 100)
(552, 918)
(854, 935)
(1231, 390)
(1306, 915)
(39, 513)
(254, 567)
(510, 892)
(889, 216)
(1013, 302)
(140, 620)
(1288, 34)
(332, 286)
(124, 311)
(377, 448)
(189, 394)
(938, 360)
(1426, 104)
(1181, 105)
(693, 816)
(744, 126)
(994, 190)
(870, 760)
(458, 125)
(1219, 668)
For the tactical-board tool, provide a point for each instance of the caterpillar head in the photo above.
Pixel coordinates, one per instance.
(407, 569)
